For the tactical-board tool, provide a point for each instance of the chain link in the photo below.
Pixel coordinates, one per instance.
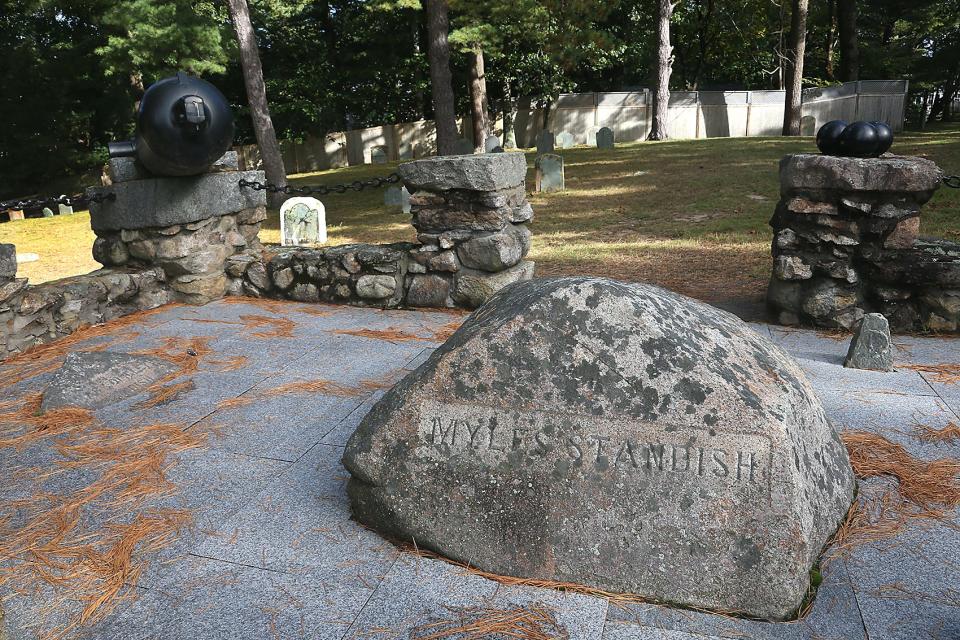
(952, 181)
(323, 189)
(70, 201)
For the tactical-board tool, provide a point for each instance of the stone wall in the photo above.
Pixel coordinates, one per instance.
(846, 243)
(471, 216)
(31, 315)
(187, 226)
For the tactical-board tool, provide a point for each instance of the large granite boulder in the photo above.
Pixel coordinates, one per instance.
(614, 435)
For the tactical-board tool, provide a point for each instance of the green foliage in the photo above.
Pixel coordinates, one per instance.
(156, 38)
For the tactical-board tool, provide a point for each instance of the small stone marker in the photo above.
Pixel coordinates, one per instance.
(397, 197)
(463, 147)
(15, 214)
(544, 143)
(27, 257)
(492, 145)
(64, 209)
(871, 346)
(303, 221)
(605, 138)
(47, 212)
(95, 379)
(378, 155)
(615, 435)
(564, 140)
(549, 172)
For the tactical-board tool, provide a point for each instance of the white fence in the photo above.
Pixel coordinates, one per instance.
(692, 114)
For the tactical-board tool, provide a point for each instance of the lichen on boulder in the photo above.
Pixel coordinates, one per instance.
(614, 435)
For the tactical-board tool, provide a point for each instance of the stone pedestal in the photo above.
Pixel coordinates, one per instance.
(188, 226)
(846, 243)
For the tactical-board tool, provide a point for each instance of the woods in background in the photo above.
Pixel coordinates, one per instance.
(72, 70)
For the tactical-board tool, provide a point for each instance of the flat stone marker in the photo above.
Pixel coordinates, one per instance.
(545, 142)
(549, 172)
(871, 346)
(47, 212)
(564, 140)
(605, 138)
(64, 209)
(492, 145)
(378, 155)
(463, 147)
(92, 380)
(303, 221)
(615, 435)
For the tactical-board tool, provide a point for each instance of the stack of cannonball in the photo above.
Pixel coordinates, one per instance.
(857, 140)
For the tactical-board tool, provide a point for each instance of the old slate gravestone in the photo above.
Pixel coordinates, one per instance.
(615, 435)
(605, 138)
(549, 176)
(96, 379)
(463, 147)
(378, 155)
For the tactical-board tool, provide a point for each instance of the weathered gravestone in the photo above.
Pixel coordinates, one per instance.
(544, 143)
(492, 145)
(605, 138)
(463, 147)
(378, 155)
(549, 172)
(397, 197)
(96, 379)
(303, 221)
(564, 140)
(619, 436)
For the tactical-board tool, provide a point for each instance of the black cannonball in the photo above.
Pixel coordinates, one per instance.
(886, 136)
(860, 140)
(828, 138)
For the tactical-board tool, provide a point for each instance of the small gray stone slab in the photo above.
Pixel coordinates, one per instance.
(481, 172)
(871, 346)
(605, 138)
(378, 155)
(550, 172)
(168, 201)
(93, 380)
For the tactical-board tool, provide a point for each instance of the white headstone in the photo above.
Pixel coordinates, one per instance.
(549, 172)
(303, 221)
(492, 145)
(398, 197)
(564, 140)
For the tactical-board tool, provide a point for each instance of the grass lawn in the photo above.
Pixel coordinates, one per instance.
(690, 215)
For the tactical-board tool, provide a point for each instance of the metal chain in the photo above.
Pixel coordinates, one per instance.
(323, 189)
(952, 181)
(70, 201)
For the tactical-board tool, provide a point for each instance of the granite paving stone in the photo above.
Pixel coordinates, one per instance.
(339, 435)
(828, 378)
(300, 520)
(909, 587)
(419, 591)
(629, 631)
(581, 616)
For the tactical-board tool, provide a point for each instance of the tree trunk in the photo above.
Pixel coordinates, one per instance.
(509, 135)
(849, 45)
(415, 22)
(438, 52)
(478, 97)
(798, 45)
(257, 98)
(831, 37)
(661, 98)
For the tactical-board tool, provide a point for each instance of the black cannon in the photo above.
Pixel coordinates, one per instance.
(184, 125)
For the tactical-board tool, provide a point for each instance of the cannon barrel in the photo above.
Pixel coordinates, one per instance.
(184, 125)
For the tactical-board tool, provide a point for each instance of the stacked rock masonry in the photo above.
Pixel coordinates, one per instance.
(471, 216)
(188, 226)
(846, 243)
